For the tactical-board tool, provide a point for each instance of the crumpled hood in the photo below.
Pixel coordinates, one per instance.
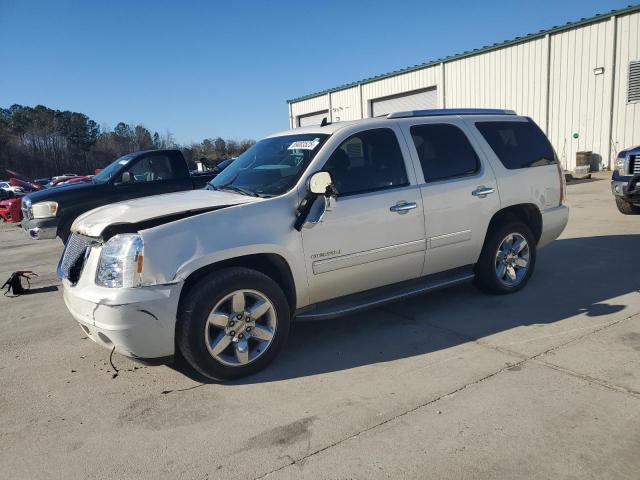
(93, 222)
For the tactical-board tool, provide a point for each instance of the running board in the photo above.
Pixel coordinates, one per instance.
(380, 296)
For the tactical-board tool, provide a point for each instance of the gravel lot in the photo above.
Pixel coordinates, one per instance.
(541, 384)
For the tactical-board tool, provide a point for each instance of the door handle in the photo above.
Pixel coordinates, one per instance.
(403, 207)
(482, 191)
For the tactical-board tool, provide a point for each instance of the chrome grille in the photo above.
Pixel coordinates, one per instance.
(73, 257)
(634, 165)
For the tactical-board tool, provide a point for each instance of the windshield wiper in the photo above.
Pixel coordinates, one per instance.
(237, 189)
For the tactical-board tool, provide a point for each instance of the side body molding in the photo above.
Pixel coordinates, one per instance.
(359, 258)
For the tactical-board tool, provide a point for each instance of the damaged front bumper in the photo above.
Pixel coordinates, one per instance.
(138, 322)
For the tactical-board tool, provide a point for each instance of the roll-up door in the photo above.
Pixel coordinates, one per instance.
(312, 118)
(416, 100)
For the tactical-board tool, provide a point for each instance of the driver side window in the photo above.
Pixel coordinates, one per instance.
(151, 169)
(366, 162)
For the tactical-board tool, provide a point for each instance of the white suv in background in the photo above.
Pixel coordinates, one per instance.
(315, 223)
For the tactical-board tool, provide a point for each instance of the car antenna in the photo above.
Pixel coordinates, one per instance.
(324, 122)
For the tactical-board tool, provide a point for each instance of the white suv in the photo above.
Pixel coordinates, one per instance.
(314, 223)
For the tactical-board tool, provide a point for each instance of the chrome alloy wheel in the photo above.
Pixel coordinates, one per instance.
(240, 327)
(512, 260)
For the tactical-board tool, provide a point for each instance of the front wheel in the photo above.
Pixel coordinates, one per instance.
(507, 260)
(232, 323)
(627, 208)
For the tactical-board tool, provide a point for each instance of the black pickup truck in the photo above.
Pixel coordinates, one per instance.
(50, 213)
(625, 181)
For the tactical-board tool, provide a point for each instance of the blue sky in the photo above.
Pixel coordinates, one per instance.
(213, 68)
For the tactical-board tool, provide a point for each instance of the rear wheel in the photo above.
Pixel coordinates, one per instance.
(627, 208)
(507, 260)
(232, 323)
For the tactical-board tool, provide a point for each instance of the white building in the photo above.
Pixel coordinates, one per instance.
(580, 82)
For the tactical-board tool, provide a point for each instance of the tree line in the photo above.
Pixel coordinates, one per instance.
(43, 142)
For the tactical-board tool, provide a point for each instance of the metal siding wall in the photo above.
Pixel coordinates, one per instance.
(417, 80)
(626, 116)
(580, 100)
(516, 77)
(345, 104)
(512, 77)
(310, 105)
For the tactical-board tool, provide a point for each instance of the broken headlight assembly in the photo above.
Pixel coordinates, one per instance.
(120, 264)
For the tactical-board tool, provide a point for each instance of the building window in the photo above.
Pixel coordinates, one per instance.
(633, 85)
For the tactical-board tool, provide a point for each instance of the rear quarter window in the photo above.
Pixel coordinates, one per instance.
(518, 144)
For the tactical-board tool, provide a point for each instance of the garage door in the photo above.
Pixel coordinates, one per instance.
(313, 118)
(416, 100)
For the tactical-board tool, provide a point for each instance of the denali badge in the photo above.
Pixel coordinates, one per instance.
(330, 253)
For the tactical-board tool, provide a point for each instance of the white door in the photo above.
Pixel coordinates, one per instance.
(416, 100)
(458, 189)
(313, 118)
(375, 234)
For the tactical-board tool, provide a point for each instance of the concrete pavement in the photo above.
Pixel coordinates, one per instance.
(457, 384)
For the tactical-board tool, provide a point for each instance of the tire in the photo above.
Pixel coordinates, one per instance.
(201, 336)
(627, 208)
(488, 277)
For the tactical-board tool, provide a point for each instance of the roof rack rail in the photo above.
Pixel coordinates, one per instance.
(450, 111)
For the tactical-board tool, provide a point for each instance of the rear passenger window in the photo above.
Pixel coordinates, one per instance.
(444, 151)
(518, 144)
(366, 162)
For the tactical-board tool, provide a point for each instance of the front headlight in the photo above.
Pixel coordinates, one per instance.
(120, 264)
(44, 209)
(621, 165)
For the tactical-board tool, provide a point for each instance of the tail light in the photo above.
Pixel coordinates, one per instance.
(563, 183)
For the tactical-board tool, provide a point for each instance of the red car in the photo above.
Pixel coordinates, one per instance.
(74, 179)
(10, 210)
(25, 184)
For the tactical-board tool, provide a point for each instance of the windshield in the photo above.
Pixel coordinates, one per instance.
(270, 167)
(109, 171)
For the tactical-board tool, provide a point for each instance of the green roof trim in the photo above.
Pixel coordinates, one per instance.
(488, 48)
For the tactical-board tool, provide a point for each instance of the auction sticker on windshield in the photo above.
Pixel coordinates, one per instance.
(304, 144)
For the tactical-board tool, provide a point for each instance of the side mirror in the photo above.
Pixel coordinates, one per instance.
(312, 209)
(126, 177)
(320, 182)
